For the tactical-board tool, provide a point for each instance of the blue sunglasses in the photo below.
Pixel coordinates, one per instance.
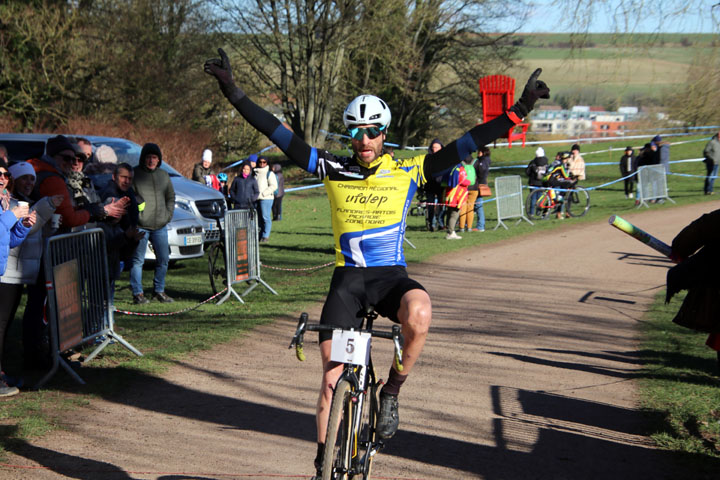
(371, 132)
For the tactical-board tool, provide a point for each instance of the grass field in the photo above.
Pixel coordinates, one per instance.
(302, 240)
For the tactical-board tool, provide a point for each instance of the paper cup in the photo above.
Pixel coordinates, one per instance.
(23, 204)
(56, 220)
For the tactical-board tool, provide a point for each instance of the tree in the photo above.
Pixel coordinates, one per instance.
(40, 54)
(695, 104)
(319, 55)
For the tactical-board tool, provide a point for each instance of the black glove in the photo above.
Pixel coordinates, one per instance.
(220, 69)
(534, 89)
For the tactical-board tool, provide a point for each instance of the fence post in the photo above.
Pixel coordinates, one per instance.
(509, 199)
(78, 302)
(242, 253)
(652, 184)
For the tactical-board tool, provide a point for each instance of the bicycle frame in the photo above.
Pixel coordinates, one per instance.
(362, 380)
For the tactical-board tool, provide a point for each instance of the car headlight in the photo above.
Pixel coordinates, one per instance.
(185, 205)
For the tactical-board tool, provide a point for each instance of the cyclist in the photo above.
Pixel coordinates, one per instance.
(370, 194)
(557, 176)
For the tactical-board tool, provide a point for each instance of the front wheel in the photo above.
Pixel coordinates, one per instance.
(216, 266)
(338, 445)
(577, 202)
(366, 443)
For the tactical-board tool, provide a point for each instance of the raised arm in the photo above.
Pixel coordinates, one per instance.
(486, 133)
(293, 146)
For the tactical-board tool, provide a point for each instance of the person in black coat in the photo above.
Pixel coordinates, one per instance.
(628, 166)
(244, 190)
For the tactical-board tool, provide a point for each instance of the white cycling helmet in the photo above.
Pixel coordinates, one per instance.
(367, 110)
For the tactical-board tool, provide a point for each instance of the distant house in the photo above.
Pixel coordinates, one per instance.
(583, 120)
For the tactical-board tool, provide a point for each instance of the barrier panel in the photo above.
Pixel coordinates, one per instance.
(79, 310)
(509, 199)
(242, 253)
(652, 185)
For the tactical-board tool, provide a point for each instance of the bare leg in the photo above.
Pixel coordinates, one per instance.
(415, 315)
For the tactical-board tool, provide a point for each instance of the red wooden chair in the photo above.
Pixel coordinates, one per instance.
(498, 94)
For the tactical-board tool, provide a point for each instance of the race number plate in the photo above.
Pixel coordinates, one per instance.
(350, 347)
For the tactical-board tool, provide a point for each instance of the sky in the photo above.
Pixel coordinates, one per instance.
(644, 16)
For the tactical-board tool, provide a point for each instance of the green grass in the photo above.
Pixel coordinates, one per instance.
(679, 383)
(302, 239)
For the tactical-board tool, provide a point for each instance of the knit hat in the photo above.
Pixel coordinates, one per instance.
(252, 158)
(58, 144)
(105, 154)
(207, 155)
(657, 139)
(575, 147)
(21, 168)
(628, 148)
(540, 152)
(149, 148)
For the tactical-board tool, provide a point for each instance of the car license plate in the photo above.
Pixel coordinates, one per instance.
(193, 239)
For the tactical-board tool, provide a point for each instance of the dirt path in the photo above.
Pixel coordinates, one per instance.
(528, 373)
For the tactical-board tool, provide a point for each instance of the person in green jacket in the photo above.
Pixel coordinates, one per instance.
(153, 184)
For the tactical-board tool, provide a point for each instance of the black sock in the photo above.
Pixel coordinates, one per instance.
(319, 455)
(395, 381)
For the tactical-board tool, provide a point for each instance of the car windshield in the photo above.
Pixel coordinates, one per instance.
(129, 152)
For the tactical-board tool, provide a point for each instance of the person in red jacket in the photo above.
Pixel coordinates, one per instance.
(456, 195)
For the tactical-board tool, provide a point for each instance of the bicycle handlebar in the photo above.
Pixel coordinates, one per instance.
(395, 335)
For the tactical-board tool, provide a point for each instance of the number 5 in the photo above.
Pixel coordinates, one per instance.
(350, 347)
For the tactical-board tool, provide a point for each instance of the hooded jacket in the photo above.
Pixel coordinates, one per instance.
(156, 188)
(12, 234)
(244, 191)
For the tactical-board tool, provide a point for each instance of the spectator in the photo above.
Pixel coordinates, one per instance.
(279, 194)
(628, 166)
(153, 184)
(106, 161)
(663, 149)
(4, 154)
(467, 211)
(24, 261)
(85, 148)
(51, 172)
(455, 197)
(712, 160)
(535, 171)
(244, 189)
(696, 248)
(483, 169)
(121, 235)
(202, 169)
(222, 180)
(253, 160)
(267, 184)
(80, 185)
(648, 155)
(435, 213)
(15, 224)
(576, 163)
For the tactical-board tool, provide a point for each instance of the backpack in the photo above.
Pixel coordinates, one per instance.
(540, 171)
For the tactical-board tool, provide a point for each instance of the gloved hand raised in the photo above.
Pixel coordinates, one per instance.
(533, 90)
(221, 70)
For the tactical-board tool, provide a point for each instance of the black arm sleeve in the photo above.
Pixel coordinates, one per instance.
(471, 141)
(293, 146)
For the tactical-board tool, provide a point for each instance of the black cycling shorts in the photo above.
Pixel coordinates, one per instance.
(353, 288)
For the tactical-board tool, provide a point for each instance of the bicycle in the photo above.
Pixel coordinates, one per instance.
(351, 441)
(576, 202)
(216, 262)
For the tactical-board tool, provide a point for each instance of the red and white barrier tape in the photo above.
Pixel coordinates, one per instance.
(171, 313)
(298, 269)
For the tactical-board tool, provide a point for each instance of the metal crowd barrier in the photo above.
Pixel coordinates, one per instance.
(78, 301)
(242, 253)
(652, 184)
(509, 199)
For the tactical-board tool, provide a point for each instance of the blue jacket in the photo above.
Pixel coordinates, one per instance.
(12, 234)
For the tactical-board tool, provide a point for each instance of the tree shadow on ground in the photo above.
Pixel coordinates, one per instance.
(536, 434)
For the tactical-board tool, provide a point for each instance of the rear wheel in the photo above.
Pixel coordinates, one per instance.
(338, 442)
(216, 266)
(577, 202)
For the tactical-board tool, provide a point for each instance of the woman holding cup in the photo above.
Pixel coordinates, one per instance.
(23, 261)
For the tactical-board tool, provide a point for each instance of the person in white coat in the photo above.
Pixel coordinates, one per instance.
(267, 184)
